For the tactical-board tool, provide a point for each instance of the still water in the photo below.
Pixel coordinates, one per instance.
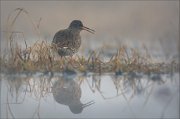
(74, 95)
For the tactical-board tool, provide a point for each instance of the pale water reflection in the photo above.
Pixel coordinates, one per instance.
(56, 95)
(67, 91)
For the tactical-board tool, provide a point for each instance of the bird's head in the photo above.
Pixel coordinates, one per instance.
(78, 25)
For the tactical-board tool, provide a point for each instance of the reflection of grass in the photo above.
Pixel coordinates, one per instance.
(39, 88)
(40, 56)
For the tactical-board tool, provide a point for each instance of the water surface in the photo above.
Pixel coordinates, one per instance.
(56, 95)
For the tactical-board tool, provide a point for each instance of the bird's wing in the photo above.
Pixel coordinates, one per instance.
(61, 38)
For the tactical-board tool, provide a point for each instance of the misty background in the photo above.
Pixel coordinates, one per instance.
(154, 24)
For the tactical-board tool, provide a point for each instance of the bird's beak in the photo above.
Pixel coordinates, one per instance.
(88, 29)
(88, 104)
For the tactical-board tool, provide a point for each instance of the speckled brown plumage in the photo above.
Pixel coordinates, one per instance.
(68, 41)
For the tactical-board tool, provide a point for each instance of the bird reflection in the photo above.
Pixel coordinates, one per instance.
(67, 91)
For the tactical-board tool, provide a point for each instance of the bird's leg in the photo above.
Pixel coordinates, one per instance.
(66, 63)
(62, 62)
(71, 61)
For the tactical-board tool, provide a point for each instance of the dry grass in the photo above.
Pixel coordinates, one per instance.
(40, 56)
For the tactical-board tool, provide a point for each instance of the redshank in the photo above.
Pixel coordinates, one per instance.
(67, 91)
(68, 41)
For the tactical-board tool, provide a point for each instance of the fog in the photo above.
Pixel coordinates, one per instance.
(153, 23)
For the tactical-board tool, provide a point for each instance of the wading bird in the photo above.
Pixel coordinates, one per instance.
(68, 41)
